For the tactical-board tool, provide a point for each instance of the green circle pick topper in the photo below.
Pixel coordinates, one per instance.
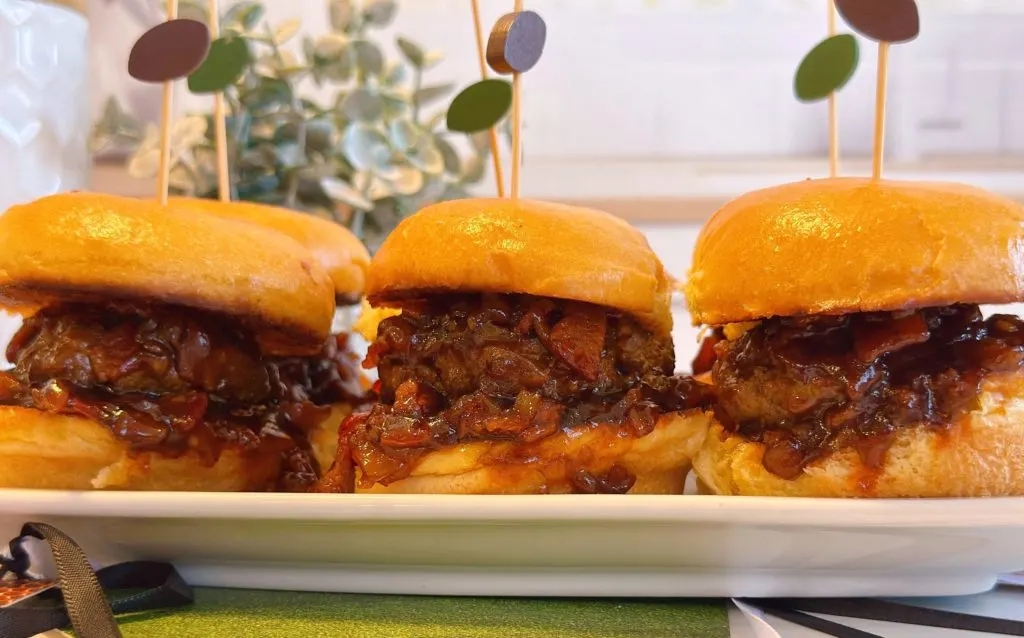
(480, 106)
(226, 62)
(826, 68)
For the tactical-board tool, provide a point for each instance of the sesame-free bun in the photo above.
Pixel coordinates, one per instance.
(522, 246)
(41, 450)
(338, 251)
(982, 454)
(92, 247)
(838, 246)
(660, 461)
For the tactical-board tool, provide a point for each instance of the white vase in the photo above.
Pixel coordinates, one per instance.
(44, 101)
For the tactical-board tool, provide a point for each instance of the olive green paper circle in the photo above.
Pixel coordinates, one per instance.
(826, 68)
(228, 58)
(480, 106)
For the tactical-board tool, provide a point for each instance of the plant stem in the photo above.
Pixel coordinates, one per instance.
(235, 106)
(417, 84)
(293, 179)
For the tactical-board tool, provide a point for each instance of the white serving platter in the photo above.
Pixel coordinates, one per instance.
(622, 546)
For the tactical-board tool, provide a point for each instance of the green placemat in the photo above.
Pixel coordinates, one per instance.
(267, 614)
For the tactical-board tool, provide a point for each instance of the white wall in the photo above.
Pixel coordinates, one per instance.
(697, 78)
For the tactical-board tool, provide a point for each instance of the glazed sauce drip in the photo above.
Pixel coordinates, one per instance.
(169, 380)
(514, 368)
(808, 386)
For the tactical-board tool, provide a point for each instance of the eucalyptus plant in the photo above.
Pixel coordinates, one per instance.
(377, 151)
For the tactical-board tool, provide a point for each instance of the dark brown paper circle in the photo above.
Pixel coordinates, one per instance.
(516, 42)
(169, 51)
(882, 20)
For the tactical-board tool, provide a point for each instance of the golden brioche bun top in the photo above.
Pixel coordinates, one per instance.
(522, 246)
(92, 247)
(843, 245)
(339, 251)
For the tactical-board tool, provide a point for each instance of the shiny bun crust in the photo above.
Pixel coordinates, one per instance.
(338, 251)
(660, 461)
(836, 246)
(981, 455)
(83, 246)
(522, 246)
(40, 450)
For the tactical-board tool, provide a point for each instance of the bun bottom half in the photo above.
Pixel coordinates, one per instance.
(979, 455)
(41, 450)
(660, 461)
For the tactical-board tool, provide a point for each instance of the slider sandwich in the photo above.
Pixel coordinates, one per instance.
(850, 356)
(530, 353)
(164, 348)
(345, 259)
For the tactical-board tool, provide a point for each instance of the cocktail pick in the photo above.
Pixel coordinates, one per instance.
(167, 52)
(515, 46)
(499, 176)
(887, 22)
(219, 125)
(826, 69)
(224, 65)
(833, 107)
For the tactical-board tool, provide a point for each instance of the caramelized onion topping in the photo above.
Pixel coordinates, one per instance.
(511, 368)
(170, 379)
(808, 386)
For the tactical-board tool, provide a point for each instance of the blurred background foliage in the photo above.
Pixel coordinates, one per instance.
(372, 153)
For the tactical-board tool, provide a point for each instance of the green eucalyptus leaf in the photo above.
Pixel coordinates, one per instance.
(396, 103)
(403, 133)
(362, 105)
(319, 135)
(394, 73)
(371, 184)
(340, 70)
(270, 94)
(309, 49)
(287, 30)
(259, 158)
(245, 15)
(259, 188)
(431, 59)
(341, 14)
(380, 13)
(435, 120)
(428, 94)
(290, 156)
(481, 141)
(452, 161)
(341, 191)
(407, 180)
(365, 147)
(369, 58)
(826, 68)
(425, 156)
(480, 106)
(331, 46)
(473, 171)
(412, 52)
(224, 65)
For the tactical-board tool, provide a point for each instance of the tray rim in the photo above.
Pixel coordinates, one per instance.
(954, 514)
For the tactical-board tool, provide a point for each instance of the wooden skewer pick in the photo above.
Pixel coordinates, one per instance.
(219, 124)
(163, 176)
(833, 117)
(499, 176)
(517, 122)
(880, 90)
(886, 22)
